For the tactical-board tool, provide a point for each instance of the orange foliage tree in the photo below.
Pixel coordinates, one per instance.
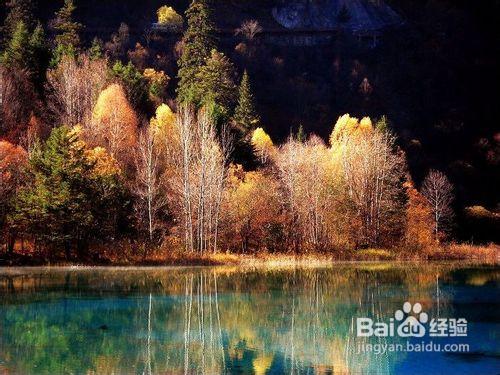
(251, 209)
(12, 161)
(419, 220)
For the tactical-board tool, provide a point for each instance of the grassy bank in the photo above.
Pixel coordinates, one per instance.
(127, 256)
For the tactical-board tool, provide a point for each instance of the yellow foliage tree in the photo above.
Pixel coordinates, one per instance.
(114, 122)
(167, 16)
(347, 126)
(164, 118)
(262, 144)
(105, 164)
(162, 127)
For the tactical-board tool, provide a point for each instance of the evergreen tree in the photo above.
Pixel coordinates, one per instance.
(17, 52)
(382, 125)
(198, 42)
(301, 135)
(245, 116)
(95, 50)
(64, 204)
(133, 81)
(27, 52)
(67, 38)
(38, 55)
(18, 11)
(216, 83)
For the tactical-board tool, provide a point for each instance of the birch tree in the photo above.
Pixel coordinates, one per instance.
(372, 171)
(149, 189)
(73, 88)
(305, 171)
(202, 164)
(438, 191)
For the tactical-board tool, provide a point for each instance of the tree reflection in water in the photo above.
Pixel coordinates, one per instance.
(223, 320)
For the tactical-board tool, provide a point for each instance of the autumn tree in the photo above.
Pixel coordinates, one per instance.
(251, 211)
(372, 171)
(419, 220)
(149, 187)
(114, 123)
(307, 178)
(245, 115)
(263, 145)
(139, 56)
(198, 42)
(201, 164)
(118, 44)
(12, 162)
(168, 17)
(74, 196)
(67, 32)
(438, 190)
(158, 81)
(73, 88)
(249, 29)
(163, 128)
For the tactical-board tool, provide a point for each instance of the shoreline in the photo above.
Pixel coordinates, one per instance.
(452, 253)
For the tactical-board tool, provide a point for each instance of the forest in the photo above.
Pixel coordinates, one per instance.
(111, 150)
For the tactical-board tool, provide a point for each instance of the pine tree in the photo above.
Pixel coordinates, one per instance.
(72, 197)
(17, 11)
(216, 83)
(245, 116)
(27, 52)
(17, 53)
(301, 135)
(54, 208)
(382, 125)
(198, 43)
(95, 50)
(133, 81)
(38, 55)
(67, 38)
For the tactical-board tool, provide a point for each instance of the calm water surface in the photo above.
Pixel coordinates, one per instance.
(250, 321)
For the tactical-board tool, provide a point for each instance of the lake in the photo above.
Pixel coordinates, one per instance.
(216, 320)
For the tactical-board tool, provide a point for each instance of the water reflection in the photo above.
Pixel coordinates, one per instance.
(228, 320)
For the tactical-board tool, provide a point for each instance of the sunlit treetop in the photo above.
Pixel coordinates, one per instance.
(164, 118)
(112, 103)
(261, 139)
(347, 126)
(167, 16)
(262, 144)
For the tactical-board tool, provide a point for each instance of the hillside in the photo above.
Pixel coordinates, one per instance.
(433, 76)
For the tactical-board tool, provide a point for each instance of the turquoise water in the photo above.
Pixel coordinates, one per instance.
(248, 321)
